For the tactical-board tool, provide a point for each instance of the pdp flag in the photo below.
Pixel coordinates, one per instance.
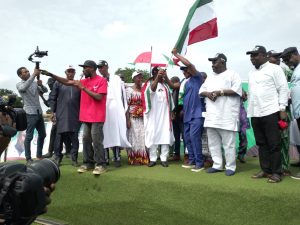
(200, 25)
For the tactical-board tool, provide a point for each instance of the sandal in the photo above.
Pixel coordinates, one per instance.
(274, 179)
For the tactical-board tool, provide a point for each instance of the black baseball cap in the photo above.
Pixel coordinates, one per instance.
(89, 63)
(219, 56)
(257, 49)
(274, 54)
(288, 51)
(102, 63)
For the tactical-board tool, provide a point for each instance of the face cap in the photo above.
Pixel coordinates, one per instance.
(89, 63)
(257, 49)
(220, 56)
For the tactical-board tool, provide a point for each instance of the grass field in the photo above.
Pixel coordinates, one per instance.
(173, 195)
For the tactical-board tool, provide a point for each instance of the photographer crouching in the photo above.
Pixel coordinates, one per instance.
(30, 91)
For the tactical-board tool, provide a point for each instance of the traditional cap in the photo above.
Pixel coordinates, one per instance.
(288, 51)
(219, 56)
(257, 49)
(89, 63)
(102, 63)
(135, 73)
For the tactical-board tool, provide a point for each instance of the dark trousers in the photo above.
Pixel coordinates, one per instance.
(93, 150)
(267, 136)
(178, 130)
(71, 142)
(192, 136)
(35, 121)
(52, 139)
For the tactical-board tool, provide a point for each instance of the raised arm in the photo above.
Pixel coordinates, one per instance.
(59, 79)
(185, 61)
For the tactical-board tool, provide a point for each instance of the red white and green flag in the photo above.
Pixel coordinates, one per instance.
(200, 25)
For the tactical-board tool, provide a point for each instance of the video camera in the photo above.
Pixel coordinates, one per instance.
(39, 54)
(22, 194)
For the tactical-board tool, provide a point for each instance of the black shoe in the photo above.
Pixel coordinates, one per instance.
(241, 158)
(151, 164)
(48, 155)
(164, 164)
(297, 164)
(117, 163)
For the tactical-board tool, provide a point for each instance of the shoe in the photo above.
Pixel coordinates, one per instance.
(164, 164)
(175, 158)
(82, 169)
(212, 170)
(296, 176)
(99, 170)
(151, 164)
(229, 172)
(275, 178)
(48, 155)
(197, 169)
(241, 158)
(29, 162)
(261, 174)
(286, 173)
(117, 163)
(188, 166)
(75, 164)
(297, 164)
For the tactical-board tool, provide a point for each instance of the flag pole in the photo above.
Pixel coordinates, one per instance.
(150, 63)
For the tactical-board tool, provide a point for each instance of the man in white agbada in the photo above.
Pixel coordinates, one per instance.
(114, 128)
(158, 105)
(222, 91)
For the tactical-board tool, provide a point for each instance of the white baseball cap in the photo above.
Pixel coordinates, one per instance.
(70, 67)
(135, 73)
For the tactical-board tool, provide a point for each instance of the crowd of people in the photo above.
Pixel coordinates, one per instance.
(149, 117)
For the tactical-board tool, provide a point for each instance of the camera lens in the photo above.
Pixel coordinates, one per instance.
(47, 169)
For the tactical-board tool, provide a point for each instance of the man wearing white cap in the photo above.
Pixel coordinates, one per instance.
(65, 102)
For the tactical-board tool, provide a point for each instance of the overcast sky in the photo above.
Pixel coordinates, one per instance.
(118, 30)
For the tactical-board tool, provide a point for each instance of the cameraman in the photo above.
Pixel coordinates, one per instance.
(30, 91)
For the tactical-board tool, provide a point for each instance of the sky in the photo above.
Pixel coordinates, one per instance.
(117, 31)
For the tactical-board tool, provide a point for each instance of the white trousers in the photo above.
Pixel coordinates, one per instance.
(164, 152)
(218, 138)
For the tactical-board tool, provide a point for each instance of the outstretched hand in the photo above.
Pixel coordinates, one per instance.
(45, 72)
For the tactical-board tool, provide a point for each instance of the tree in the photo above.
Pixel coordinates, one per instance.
(127, 73)
(6, 93)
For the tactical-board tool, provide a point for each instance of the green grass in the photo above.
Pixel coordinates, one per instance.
(173, 195)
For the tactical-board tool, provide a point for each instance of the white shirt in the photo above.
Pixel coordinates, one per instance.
(268, 90)
(224, 112)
